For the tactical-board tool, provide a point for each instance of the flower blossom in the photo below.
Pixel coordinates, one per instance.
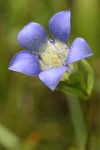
(49, 59)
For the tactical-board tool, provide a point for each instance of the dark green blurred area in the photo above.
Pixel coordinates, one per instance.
(38, 117)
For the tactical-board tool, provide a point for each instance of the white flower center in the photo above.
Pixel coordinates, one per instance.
(54, 56)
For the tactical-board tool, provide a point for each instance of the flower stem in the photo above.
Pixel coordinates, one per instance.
(77, 120)
(7, 138)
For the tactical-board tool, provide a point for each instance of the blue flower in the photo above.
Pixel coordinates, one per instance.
(46, 58)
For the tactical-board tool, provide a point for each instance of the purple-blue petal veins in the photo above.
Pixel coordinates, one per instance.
(78, 50)
(32, 36)
(60, 25)
(25, 62)
(51, 77)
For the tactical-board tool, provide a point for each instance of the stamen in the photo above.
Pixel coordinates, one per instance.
(54, 55)
(70, 69)
(35, 53)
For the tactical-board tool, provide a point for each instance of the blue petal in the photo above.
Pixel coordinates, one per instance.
(32, 37)
(60, 25)
(51, 77)
(78, 50)
(25, 62)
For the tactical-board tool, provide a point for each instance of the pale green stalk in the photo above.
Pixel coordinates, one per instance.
(7, 138)
(78, 122)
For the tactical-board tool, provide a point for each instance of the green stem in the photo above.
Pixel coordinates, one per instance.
(88, 119)
(7, 138)
(77, 120)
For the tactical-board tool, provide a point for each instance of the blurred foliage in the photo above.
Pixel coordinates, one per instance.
(29, 112)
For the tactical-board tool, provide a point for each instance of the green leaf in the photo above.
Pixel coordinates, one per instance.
(73, 89)
(78, 78)
(90, 76)
(79, 83)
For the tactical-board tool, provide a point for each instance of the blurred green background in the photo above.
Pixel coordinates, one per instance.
(31, 116)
